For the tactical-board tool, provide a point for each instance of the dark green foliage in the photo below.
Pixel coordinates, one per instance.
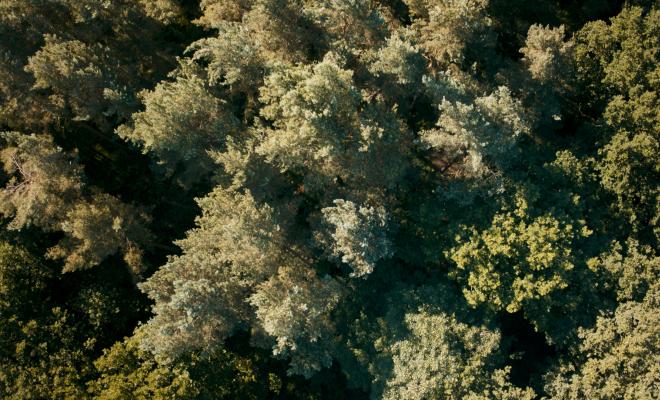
(73, 59)
(618, 65)
(52, 327)
(618, 356)
(22, 281)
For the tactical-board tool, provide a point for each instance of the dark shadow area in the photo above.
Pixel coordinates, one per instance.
(529, 352)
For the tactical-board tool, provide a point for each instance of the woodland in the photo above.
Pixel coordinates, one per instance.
(329, 199)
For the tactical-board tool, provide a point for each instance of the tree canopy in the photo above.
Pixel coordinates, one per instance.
(329, 199)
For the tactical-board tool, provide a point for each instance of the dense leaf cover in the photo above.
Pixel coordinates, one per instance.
(329, 199)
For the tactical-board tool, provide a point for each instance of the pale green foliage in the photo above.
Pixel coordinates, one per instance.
(233, 268)
(45, 181)
(72, 59)
(245, 168)
(446, 28)
(246, 234)
(357, 235)
(470, 138)
(351, 25)
(500, 388)
(428, 362)
(99, 228)
(86, 10)
(549, 79)
(236, 270)
(450, 85)
(427, 344)
(418, 8)
(294, 306)
(77, 74)
(181, 121)
(547, 56)
(401, 59)
(309, 108)
(330, 95)
(632, 271)
(215, 12)
(443, 358)
(621, 356)
(321, 131)
(233, 59)
(282, 29)
(166, 11)
(517, 260)
(236, 245)
(47, 191)
(197, 314)
(399, 69)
